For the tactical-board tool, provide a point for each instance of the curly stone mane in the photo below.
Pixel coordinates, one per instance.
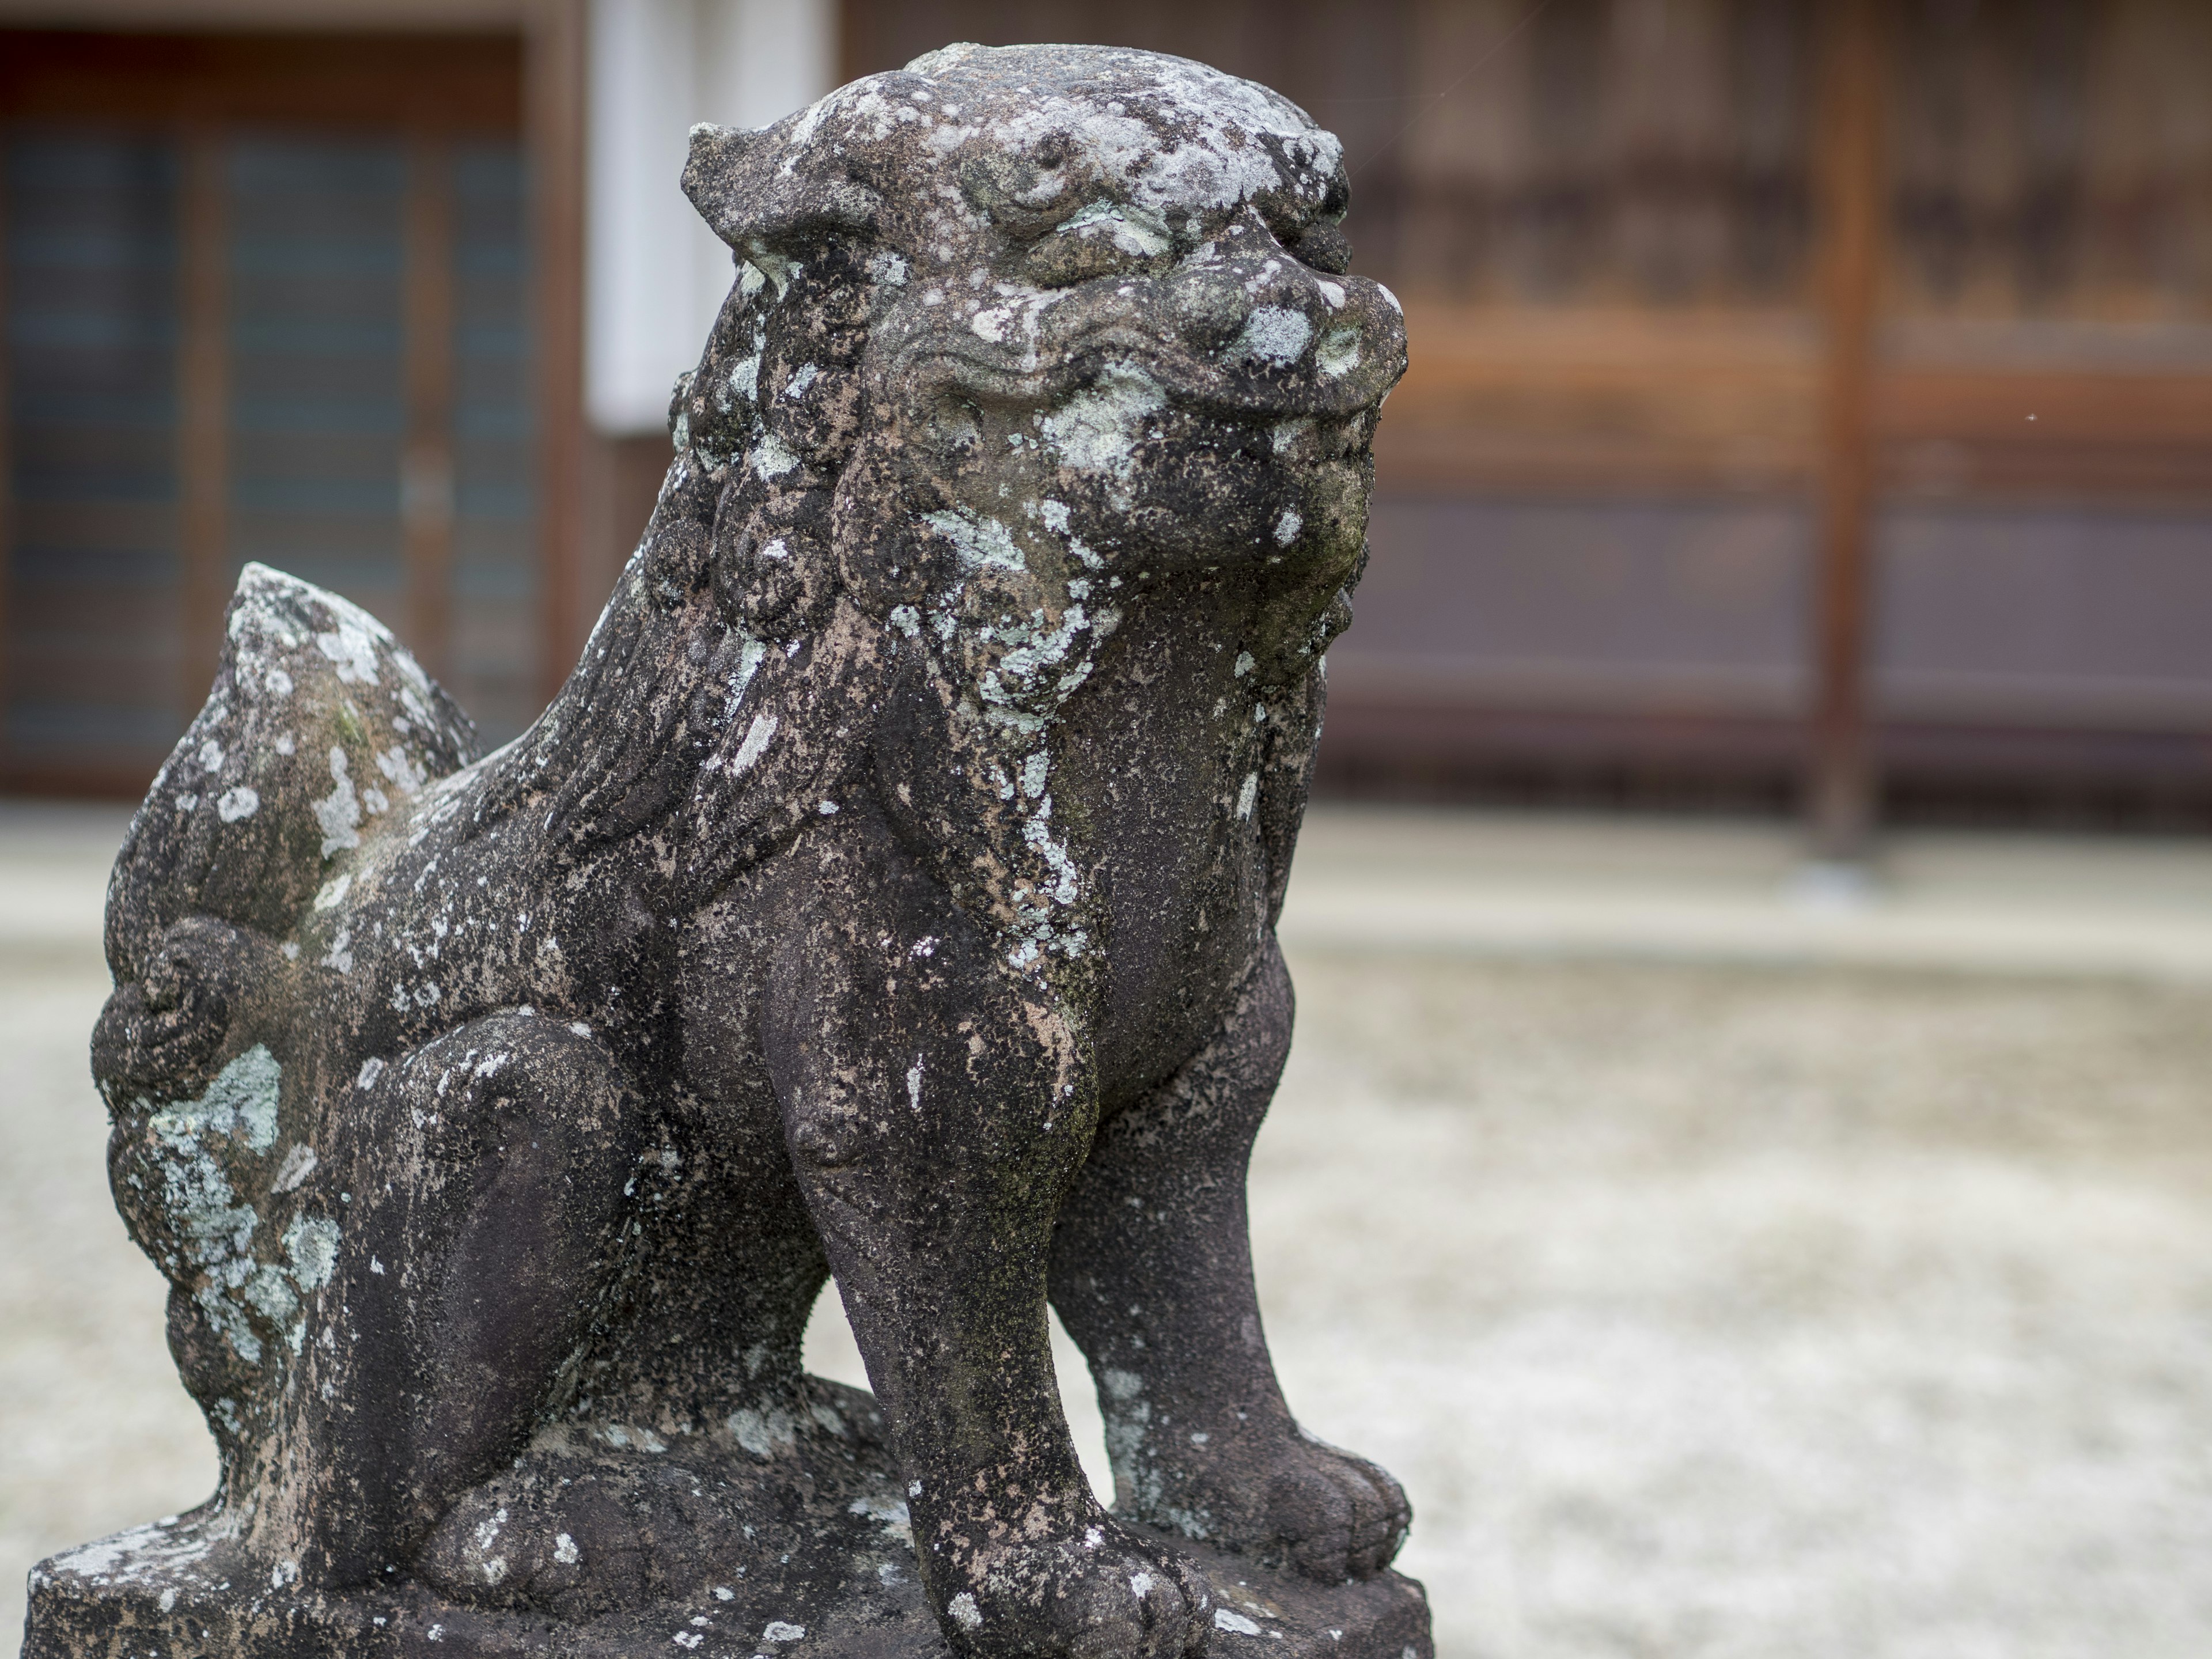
(732, 583)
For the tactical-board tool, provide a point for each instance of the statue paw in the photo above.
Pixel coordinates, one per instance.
(1290, 1502)
(1335, 1516)
(1103, 1594)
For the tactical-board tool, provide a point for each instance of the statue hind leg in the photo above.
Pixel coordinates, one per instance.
(1152, 1275)
(486, 1172)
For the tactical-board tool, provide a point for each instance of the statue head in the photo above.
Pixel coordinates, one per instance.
(1012, 320)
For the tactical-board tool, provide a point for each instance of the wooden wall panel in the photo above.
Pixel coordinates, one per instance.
(1614, 401)
(234, 261)
(1899, 262)
(2041, 435)
(554, 117)
(92, 317)
(498, 642)
(426, 461)
(2054, 159)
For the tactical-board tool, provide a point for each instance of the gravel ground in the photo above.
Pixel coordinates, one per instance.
(1704, 1311)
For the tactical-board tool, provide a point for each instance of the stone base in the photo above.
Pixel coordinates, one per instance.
(165, 1592)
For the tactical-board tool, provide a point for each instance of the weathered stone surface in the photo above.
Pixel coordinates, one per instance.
(891, 891)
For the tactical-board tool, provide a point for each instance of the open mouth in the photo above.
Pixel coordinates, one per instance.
(1356, 359)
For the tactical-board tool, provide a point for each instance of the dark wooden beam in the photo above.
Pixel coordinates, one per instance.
(456, 81)
(553, 110)
(1840, 791)
(426, 493)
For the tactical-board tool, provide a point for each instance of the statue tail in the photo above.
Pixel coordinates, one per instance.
(319, 723)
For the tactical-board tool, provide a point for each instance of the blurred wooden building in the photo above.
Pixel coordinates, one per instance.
(1805, 392)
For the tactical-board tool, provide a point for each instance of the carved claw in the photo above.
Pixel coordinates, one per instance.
(1335, 1516)
(1290, 1502)
(164, 1037)
(1104, 1595)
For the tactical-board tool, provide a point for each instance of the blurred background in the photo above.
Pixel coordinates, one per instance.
(1811, 406)
(1745, 1161)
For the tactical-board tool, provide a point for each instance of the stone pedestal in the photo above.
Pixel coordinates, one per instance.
(167, 1590)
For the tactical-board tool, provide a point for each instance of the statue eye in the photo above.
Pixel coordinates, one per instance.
(1102, 239)
(1064, 261)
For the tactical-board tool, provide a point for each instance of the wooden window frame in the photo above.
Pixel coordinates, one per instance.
(433, 90)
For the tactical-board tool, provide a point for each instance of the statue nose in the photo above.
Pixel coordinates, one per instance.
(1267, 311)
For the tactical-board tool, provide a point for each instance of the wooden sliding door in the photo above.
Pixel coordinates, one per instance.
(264, 299)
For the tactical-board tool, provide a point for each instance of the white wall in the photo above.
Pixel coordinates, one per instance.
(654, 274)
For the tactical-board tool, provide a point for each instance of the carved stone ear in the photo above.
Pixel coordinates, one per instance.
(715, 176)
(773, 191)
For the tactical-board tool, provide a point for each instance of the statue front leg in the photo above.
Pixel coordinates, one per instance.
(1152, 1275)
(936, 1109)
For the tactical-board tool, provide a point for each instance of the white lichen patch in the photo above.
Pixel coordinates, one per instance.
(299, 1162)
(403, 771)
(351, 648)
(1138, 231)
(241, 1102)
(158, 1550)
(1188, 137)
(1098, 428)
(311, 1247)
(205, 1151)
(764, 1433)
(1338, 353)
(981, 543)
(891, 1514)
(771, 458)
(756, 743)
(339, 812)
(1273, 334)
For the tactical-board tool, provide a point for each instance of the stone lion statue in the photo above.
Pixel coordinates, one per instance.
(889, 893)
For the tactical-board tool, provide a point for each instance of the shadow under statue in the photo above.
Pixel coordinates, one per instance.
(890, 892)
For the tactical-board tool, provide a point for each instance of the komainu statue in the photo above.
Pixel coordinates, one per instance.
(889, 894)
